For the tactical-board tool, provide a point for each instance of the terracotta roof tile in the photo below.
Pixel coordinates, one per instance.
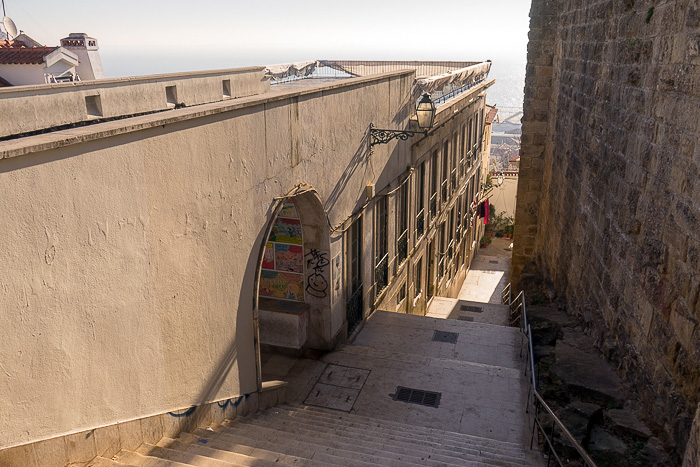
(24, 55)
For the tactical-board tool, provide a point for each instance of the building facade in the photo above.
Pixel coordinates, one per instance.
(155, 246)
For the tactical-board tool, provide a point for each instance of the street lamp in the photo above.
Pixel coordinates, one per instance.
(425, 114)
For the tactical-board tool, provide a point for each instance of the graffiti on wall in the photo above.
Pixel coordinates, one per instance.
(316, 263)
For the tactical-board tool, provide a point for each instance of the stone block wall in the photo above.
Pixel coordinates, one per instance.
(609, 200)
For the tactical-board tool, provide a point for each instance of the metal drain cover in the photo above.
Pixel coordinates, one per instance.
(444, 336)
(471, 308)
(417, 396)
(465, 318)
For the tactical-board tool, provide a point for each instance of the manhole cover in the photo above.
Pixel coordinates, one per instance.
(417, 396)
(444, 336)
(472, 309)
(465, 318)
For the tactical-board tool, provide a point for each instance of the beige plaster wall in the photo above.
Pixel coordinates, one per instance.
(37, 107)
(131, 248)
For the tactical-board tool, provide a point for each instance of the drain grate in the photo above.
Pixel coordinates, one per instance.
(493, 261)
(465, 318)
(417, 396)
(444, 336)
(471, 308)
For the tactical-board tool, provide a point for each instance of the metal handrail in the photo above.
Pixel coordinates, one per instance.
(538, 401)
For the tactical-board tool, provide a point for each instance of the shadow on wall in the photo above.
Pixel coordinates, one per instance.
(361, 154)
(223, 368)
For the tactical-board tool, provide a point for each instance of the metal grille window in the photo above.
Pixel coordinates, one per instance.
(420, 205)
(381, 258)
(433, 185)
(475, 143)
(441, 251)
(445, 170)
(458, 219)
(418, 278)
(450, 247)
(353, 308)
(402, 224)
(469, 144)
(462, 153)
(454, 163)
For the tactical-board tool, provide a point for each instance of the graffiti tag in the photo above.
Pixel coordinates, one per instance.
(316, 284)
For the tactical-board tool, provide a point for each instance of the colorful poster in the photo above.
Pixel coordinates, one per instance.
(269, 257)
(282, 285)
(289, 258)
(286, 231)
(289, 210)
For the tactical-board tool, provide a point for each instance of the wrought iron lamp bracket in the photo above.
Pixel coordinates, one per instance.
(379, 136)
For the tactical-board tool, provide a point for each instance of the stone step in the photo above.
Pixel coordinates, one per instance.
(371, 354)
(140, 460)
(381, 443)
(392, 440)
(104, 462)
(226, 452)
(320, 454)
(412, 432)
(187, 458)
(281, 437)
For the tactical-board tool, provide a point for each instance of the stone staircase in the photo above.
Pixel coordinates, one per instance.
(299, 435)
(342, 410)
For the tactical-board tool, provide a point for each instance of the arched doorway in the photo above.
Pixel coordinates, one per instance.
(293, 305)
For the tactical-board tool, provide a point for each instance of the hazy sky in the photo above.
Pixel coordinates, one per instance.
(157, 36)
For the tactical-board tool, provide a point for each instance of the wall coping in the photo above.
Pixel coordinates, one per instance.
(62, 138)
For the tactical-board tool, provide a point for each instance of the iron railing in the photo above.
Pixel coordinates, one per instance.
(353, 310)
(381, 275)
(402, 247)
(518, 314)
(420, 224)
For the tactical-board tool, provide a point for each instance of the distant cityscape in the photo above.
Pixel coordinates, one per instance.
(507, 95)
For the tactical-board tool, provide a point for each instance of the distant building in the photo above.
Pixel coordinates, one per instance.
(24, 61)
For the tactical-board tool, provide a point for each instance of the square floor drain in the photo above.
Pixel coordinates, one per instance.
(338, 387)
(493, 261)
(444, 336)
(472, 309)
(465, 318)
(417, 396)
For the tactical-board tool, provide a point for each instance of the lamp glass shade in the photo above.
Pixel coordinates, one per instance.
(425, 112)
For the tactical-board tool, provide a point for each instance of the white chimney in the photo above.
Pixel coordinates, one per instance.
(87, 50)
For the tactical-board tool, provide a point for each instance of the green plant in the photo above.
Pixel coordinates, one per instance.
(486, 240)
(650, 13)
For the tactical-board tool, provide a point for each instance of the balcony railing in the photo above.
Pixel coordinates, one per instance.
(353, 310)
(402, 247)
(381, 274)
(420, 224)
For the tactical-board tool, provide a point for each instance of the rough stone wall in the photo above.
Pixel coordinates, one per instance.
(609, 202)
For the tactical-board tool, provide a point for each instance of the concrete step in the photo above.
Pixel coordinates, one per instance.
(140, 460)
(411, 432)
(321, 454)
(383, 444)
(188, 458)
(401, 439)
(222, 451)
(104, 462)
